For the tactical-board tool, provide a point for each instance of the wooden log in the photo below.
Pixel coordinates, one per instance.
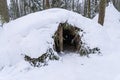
(60, 34)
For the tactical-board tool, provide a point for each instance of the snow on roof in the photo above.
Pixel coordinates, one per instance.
(32, 34)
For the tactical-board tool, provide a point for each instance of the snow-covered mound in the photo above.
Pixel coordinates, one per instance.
(112, 26)
(112, 21)
(32, 34)
(25, 35)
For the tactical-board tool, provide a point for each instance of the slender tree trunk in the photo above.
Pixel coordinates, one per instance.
(65, 4)
(4, 11)
(17, 9)
(85, 8)
(102, 6)
(43, 4)
(73, 5)
(89, 9)
(96, 6)
(47, 4)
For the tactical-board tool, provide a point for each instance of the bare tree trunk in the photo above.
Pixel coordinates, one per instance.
(4, 11)
(85, 8)
(17, 9)
(89, 9)
(73, 5)
(102, 6)
(47, 4)
(43, 4)
(96, 6)
(65, 4)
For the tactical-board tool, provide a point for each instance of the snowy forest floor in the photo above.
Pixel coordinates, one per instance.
(73, 67)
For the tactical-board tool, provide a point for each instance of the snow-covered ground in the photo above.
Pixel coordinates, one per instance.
(32, 34)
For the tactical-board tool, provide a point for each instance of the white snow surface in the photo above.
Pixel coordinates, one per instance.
(32, 35)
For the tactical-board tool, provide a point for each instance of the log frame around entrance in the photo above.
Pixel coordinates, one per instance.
(67, 38)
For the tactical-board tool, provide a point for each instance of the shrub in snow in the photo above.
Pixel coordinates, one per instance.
(86, 50)
(43, 59)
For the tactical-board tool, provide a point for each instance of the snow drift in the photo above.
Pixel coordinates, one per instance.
(28, 35)
(32, 34)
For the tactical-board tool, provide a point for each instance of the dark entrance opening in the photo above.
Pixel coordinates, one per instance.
(68, 44)
(67, 38)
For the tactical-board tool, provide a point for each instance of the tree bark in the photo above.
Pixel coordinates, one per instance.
(43, 4)
(89, 9)
(73, 5)
(102, 6)
(85, 8)
(47, 4)
(4, 11)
